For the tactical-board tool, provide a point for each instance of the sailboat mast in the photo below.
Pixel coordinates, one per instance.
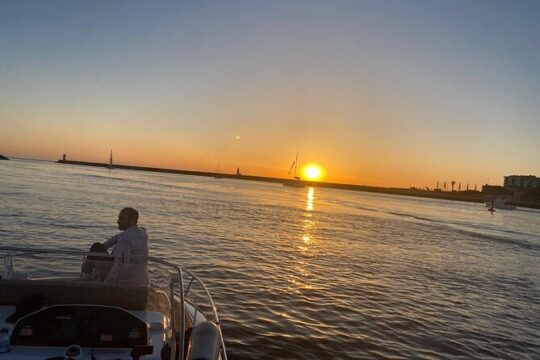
(295, 164)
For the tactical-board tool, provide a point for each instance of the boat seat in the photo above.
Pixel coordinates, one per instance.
(74, 292)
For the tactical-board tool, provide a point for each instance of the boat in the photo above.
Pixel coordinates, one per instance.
(110, 161)
(217, 174)
(500, 203)
(295, 181)
(49, 311)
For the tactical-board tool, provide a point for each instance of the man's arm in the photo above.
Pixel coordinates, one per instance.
(111, 242)
(121, 260)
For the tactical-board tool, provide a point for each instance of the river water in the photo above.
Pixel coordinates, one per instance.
(309, 273)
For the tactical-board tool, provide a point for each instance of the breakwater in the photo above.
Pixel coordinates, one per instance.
(468, 196)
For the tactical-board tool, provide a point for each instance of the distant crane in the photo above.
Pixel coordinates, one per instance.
(453, 183)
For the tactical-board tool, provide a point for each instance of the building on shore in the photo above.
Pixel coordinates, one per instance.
(521, 181)
(520, 187)
(496, 190)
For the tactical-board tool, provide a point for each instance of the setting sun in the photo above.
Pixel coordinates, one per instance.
(313, 172)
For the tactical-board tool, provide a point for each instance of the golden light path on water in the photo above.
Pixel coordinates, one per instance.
(300, 280)
(309, 223)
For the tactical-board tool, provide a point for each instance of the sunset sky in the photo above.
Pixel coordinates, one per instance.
(390, 93)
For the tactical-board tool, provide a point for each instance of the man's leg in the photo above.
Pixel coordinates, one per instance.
(92, 261)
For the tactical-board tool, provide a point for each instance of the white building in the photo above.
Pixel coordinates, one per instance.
(521, 181)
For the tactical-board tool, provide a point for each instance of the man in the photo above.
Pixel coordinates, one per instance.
(133, 240)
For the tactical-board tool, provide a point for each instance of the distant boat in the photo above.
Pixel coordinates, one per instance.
(110, 161)
(217, 174)
(295, 181)
(500, 203)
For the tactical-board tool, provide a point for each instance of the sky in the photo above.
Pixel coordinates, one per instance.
(386, 93)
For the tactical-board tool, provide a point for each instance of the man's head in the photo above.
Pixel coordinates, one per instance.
(127, 217)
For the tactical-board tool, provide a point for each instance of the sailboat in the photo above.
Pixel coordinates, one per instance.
(217, 174)
(110, 161)
(295, 181)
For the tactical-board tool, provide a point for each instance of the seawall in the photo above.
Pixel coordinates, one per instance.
(470, 196)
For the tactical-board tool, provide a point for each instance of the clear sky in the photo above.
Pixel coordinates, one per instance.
(391, 93)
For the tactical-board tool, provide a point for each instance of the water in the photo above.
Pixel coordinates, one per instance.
(309, 273)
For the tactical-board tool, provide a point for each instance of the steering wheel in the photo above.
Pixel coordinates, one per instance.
(73, 352)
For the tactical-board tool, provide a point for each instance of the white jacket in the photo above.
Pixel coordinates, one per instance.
(126, 270)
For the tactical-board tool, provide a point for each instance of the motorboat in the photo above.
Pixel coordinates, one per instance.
(49, 311)
(500, 203)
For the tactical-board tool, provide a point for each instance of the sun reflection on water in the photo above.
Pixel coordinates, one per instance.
(302, 276)
(310, 199)
(309, 224)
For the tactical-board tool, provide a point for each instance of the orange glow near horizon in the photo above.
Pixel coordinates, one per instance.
(354, 92)
(167, 153)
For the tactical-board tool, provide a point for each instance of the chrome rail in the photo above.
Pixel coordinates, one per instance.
(13, 251)
(213, 307)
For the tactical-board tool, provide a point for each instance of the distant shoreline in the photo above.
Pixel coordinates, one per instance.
(467, 196)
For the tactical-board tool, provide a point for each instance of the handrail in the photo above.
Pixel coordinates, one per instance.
(182, 325)
(214, 310)
(179, 271)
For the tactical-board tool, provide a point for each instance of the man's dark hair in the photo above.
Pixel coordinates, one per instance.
(131, 213)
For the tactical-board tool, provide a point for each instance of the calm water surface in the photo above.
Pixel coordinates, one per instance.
(309, 273)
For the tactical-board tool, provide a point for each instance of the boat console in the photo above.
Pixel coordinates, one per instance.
(85, 325)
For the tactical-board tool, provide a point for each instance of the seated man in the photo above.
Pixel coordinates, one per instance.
(131, 241)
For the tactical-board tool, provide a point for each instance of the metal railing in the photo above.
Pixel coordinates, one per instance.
(181, 294)
(195, 278)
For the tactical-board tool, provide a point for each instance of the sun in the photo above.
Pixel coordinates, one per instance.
(312, 172)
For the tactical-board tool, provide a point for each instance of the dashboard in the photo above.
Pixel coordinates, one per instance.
(85, 325)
